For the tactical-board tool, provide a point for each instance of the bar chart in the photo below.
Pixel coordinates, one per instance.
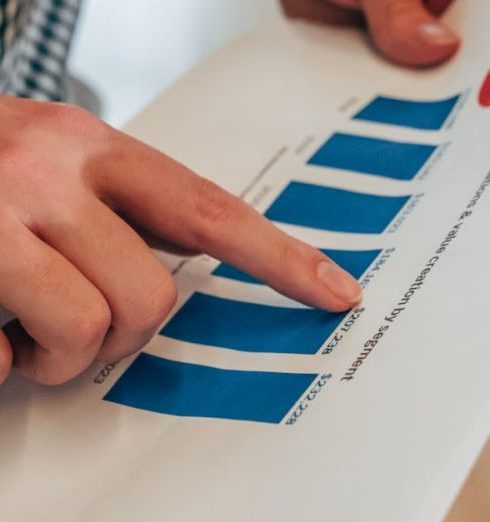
(184, 389)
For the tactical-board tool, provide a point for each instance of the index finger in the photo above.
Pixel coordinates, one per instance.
(170, 201)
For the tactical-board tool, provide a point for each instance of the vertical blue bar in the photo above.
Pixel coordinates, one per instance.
(250, 327)
(389, 159)
(356, 262)
(424, 115)
(188, 390)
(336, 210)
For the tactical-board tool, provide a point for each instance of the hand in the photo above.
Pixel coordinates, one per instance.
(405, 31)
(81, 282)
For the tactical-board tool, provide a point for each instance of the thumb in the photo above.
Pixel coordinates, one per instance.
(407, 33)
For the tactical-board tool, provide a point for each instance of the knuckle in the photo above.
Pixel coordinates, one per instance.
(73, 118)
(212, 202)
(23, 171)
(90, 328)
(144, 319)
(14, 158)
(214, 207)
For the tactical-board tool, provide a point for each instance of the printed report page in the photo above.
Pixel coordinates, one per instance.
(247, 405)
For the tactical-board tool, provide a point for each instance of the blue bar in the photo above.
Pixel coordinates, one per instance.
(336, 210)
(356, 262)
(188, 390)
(424, 115)
(251, 327)
(389, 159)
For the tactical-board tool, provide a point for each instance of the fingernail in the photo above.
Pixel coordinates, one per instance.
(437, 34)
(339, 282)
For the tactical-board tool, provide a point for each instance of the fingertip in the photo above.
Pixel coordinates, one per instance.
(305, 274)
(437, 43)
(345, 288)
(424, 44)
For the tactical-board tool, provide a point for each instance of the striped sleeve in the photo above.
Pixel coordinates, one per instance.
(35, 63)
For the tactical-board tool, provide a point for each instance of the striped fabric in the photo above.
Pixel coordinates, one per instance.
(35, 37)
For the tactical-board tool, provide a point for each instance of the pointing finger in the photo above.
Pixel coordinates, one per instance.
(172, 202)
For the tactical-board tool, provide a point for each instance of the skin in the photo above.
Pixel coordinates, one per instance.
(78, 197)
(408, 32)
(82, 283)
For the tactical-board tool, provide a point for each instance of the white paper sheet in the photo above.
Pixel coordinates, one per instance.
(398, 405)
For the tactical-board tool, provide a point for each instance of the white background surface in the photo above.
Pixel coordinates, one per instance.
(129, 51)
